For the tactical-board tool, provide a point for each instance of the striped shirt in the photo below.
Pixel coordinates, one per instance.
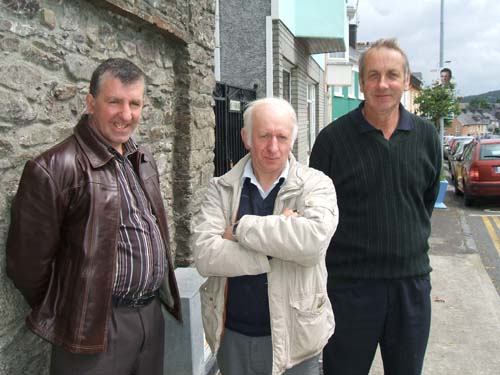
(141, 260)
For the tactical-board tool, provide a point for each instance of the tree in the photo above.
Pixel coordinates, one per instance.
(438, 101)
(479, 104)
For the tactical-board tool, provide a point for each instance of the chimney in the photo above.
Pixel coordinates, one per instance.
(353, 31)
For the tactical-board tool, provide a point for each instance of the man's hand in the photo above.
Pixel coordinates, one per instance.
(289, 212)
(228, 233)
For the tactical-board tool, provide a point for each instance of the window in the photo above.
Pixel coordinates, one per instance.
(311, 114)
(490, 151)
(287, 86)
(336, 55)
(337, 91)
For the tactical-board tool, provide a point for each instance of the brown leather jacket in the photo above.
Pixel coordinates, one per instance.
(62, 240)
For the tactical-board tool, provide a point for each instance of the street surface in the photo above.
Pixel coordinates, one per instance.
(469, 230)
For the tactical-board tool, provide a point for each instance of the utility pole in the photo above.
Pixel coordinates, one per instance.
(441, 37)
(441, 63)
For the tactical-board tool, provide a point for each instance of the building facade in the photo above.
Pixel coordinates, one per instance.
(343, 79)
(409, 96)
(267, 45)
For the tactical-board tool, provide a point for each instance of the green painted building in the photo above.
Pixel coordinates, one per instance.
(345, 98)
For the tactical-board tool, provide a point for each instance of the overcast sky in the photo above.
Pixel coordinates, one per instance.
(471, 37)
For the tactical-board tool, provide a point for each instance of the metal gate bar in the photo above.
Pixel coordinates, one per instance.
(230, 103)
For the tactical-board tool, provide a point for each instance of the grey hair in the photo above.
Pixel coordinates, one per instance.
(280, 105)
(125, 70)
(382, 43)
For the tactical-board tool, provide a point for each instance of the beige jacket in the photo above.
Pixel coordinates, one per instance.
(301, 315)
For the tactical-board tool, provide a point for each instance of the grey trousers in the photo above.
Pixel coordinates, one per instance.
(244, 355)
(135, 346)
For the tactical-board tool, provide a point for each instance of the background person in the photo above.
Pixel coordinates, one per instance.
(88, 240)
(385, 163)
(445, 76)
(261, 236)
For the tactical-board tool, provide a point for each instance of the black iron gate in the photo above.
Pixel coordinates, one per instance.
(230, 102)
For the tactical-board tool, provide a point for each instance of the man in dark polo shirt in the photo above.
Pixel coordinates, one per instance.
(385, 164)
(88, 242)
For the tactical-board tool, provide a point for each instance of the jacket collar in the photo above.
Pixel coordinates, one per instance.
(233, 177)
(95, 149)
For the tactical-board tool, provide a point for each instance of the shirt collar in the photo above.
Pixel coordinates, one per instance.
(248, 173)
(405, 122)
(129, 147)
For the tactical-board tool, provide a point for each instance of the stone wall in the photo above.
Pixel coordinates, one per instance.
(48, 51)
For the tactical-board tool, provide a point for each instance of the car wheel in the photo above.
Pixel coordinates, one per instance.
(467, 199)
(455, 185)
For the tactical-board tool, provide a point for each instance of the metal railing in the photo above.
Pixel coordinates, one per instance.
(230, 103)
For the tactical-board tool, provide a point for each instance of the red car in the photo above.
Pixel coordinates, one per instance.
(478, 173)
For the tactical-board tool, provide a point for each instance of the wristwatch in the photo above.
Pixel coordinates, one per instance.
(235, 225)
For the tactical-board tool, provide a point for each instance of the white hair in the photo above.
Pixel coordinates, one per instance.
(280, 105)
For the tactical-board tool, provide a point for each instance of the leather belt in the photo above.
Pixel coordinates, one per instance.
(142, 301)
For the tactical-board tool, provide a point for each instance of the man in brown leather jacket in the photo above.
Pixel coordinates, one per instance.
(88, 244)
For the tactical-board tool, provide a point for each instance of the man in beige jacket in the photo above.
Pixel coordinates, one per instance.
(261, 237)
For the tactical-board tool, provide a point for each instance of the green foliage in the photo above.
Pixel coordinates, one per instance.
(437, 101)
(478, 104)
(490, 96)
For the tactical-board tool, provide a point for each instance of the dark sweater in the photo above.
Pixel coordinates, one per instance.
(385, 193)
(247, 308)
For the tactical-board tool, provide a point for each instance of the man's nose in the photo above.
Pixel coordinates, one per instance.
(384, 82)
(273, 144)
(126, 112)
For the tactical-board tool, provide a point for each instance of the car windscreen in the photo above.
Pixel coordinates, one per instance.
(489, 151)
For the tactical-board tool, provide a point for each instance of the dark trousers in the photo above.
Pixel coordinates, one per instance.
(393, 313)
(135, 346)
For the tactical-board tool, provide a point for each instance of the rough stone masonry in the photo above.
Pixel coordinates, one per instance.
(48, 50)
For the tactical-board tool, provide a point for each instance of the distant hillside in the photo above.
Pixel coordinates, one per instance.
(491, 96)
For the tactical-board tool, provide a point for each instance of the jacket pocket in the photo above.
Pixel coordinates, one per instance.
(311, 327)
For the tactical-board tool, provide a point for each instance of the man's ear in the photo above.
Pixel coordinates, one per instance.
(244, 138)
(407, 82)
(90, 102)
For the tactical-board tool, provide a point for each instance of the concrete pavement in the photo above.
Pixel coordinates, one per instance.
(465, 331)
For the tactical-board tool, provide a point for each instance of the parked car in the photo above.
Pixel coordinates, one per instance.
(478, 174)
(491, 136)
(446, 145)
(451, 143)
(456, 154)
